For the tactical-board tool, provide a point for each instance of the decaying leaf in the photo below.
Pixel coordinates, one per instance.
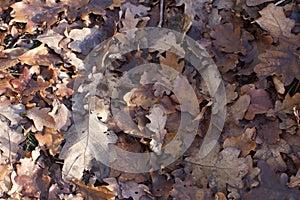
(35, 12)
(9, 141)
(274, 20)
(271, 153)
(157, 125)
(281, 61)
(243, 142)
(260, 101)
(95, 193)
(51, 139)
(84, 40)
(228, 38)
(271, 187)
(221, 168)
(133, 189)
(39, 56)
(87, 139)
(30, 179)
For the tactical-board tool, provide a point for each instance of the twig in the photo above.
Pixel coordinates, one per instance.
(161, 14)
(279, 2)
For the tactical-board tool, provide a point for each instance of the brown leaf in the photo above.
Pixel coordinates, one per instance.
(52, 39)
(271, 153)
(256, 2)
(51, 139)
(41, 118)
(21, 82)
(240, 107)
(172, 60)
(30, 179)
(39, 56)
(270, 132)
(270, 187)
(34, 86)
(134, 190)
(274, 20)
(287, 105)
(228, 38)
(35, 12)
(221, 168)
(11, 57)
(95, 193)
(129, 22)
(281, 60)
(260, 101)
(243, 142)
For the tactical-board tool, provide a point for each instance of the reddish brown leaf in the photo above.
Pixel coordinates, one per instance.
(243, 142)
(260, 101)
(228, 38)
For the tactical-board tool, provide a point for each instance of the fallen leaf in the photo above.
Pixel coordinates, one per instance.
(95, 193)
(260, 101)
(281, 61)
(271, 153)
(35, 12)
(221, 168)
(30, 179)
(256, 2)
(274, 20)
(12, 113)
(157, 125)
(86, 140)
(51, 139)
(228, 38)
(41, 118)
(270, 132)
(39, 56)
(240, 107)
(9, 141)
(243, 142)
(84, 40)
(134, 190)
(271, 187)
(172, 60)
(52, 40)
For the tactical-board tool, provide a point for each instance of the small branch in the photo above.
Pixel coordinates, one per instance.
(161, 14)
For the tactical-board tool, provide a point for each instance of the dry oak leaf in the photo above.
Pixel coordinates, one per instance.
(243, 142)
(52, 40)
(95, 193)
(188, 189)
(9, 141)
(282, 61)
(84, 40)
(157, 125)
(35, 12)
(271, 153)
(221, 168)
(270, 186)
(274, 20)
(86, 140)
(51, 139)
(58, 118)
(270, 132)
(133, 189)
(19, 84)
(172, 60)
(39, 56)
(129, 22)
(240, 107)
(228, 38)
(31, 179)
(34, 86)
(260, 101)
(11, 57)
(12, 113)
(287, 105)
(256, 2)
